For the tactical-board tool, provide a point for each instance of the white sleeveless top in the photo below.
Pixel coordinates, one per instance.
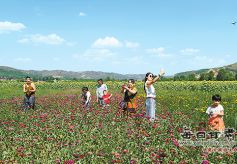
(150, 91)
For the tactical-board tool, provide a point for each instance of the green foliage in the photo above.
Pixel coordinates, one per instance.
(204, 76)
(11, 74)
(191, 77)
(224, 74)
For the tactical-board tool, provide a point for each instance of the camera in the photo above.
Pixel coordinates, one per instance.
(123, 86)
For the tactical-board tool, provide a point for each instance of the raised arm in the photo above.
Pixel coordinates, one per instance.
(162, 72)
(110, 96)
(133, 91)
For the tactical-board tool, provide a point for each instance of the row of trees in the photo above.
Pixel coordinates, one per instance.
(222, 75)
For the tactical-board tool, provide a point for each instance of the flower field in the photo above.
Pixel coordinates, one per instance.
(61, 131)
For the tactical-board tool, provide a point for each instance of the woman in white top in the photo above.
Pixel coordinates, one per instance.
(151, 94)
(215, 113)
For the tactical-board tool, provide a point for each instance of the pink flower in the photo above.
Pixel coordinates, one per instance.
(71, 127)
(69, 161)
(175, 142)
(133, 162)
(205, 162)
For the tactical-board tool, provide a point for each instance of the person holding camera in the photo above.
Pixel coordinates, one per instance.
(130, 92)
(29, 90)
(150, 79)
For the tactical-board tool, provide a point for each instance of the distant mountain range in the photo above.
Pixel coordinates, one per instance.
(231, 67)
(8, 72)
(12, 73)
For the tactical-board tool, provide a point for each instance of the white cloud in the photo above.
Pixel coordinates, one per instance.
(52, 39)
(131, 44)
(82, 14)
(107, 42)
(24, 60)
(112, 42)
(10, 26)
(160, 52)
(189, 51)
(92, 55)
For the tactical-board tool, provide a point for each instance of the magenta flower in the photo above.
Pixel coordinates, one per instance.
(69, 161)
(175, 142)
(205, 162)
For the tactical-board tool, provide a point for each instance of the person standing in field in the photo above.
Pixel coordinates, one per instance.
(86, 97)
(216, 113)
(100, 92)
(130, 92)
(29, 89)
(150, 79)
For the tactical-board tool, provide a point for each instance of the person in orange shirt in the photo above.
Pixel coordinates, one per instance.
(29, 89)
(130, 92)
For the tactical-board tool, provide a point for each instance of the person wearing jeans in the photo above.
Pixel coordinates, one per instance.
(29, 90)
(151, 94)
(100, 92)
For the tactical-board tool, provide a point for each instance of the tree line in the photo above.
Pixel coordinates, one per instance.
(221, 75)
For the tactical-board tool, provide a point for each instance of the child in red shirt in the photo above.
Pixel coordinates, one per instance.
(106, 97)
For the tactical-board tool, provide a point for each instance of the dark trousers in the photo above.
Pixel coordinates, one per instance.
(29, 102)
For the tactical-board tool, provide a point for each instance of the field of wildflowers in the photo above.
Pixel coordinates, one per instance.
(59, 130)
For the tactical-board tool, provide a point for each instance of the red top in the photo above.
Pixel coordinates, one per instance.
(106, 98)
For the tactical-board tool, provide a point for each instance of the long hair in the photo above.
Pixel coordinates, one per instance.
(145, 79)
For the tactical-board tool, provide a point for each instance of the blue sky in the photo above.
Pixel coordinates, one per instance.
(122, 36)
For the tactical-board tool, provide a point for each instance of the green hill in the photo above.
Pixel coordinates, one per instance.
(12, 73)
(231, 68)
